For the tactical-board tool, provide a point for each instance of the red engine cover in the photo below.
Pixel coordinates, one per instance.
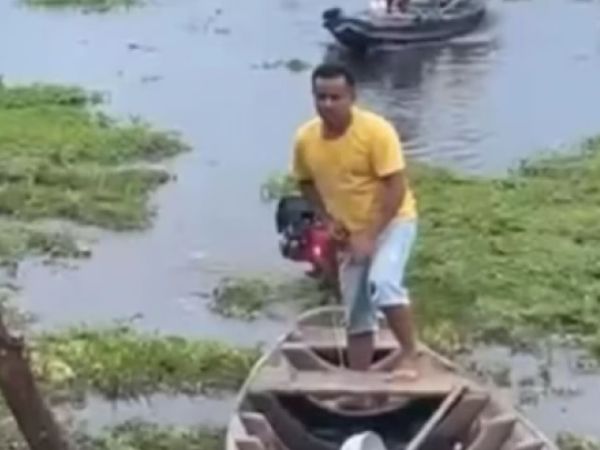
(319, 246)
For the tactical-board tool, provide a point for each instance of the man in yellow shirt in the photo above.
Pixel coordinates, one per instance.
(349, 163)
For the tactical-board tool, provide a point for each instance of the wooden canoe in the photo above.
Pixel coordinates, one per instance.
(288, 401)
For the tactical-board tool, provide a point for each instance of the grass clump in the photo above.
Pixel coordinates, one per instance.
(248, 297)
(139, 435)
(570, 441)
(277, 186)
(63, 159)
(18, 240)
(507, 259)
(133, 434)
(85, 5)
(513, 257)
(121, 363)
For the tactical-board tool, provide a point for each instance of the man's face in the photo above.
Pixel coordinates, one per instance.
(333, 99)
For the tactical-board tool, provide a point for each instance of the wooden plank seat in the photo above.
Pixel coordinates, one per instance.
(301, 357)
(256, 425)
(327, 340)
(285, 380)
(463, 415)
(321, 338)
(249, 443)
(532, 444)
(493, 432)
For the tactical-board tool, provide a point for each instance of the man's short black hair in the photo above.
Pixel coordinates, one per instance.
(333, 70)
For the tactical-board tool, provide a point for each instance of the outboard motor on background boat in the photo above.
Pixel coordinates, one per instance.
(303, 237)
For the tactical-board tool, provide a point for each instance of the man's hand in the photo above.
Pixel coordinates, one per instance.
(336, 230)
(362, 246)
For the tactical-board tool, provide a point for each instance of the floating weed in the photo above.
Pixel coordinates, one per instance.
(304, 293)
(85, 5)
(277, 186)
(248, 297)
(42, 95)
(121, 363)
(17, 240)
(133, 434)
(297, 65)
(242, 298)
(139, 435)
(570, 441)
(62, 159)
(511, 259)
(444, 337)
(293, 65)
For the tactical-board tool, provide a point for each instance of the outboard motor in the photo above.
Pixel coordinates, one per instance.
(303, 237)
(331, 15)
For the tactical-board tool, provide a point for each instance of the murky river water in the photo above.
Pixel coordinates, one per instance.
(522, 83)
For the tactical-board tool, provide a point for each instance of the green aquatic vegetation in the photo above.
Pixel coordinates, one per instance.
(62, 158)
(570, 441)
(515, 256)
(121, 363)
(86, 5)
(276, 186)
(18, 240)
(243, 298)
(506, 259)
(129, 435)
(139, 435)
(248, 297)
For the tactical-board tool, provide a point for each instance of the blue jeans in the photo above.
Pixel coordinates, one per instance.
(378, 283)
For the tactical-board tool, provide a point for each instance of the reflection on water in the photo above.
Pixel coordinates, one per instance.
(483, 102)
(429, 92)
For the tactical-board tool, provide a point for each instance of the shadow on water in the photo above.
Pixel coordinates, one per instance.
(481, 103)
(429, 91)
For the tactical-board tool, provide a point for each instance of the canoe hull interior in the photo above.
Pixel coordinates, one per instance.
(290, 401)
(396, 427)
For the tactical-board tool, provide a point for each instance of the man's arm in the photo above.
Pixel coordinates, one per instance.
(388, 165)
(393, 190)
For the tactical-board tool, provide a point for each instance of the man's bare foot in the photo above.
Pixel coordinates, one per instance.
(407, 369)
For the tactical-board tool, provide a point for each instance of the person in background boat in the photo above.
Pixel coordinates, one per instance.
(349, 163)
(397, 5)
(387, 6)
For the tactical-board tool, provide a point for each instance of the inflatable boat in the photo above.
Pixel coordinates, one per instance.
(435, 20)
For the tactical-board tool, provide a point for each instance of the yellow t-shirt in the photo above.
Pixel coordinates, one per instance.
(346, 170)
